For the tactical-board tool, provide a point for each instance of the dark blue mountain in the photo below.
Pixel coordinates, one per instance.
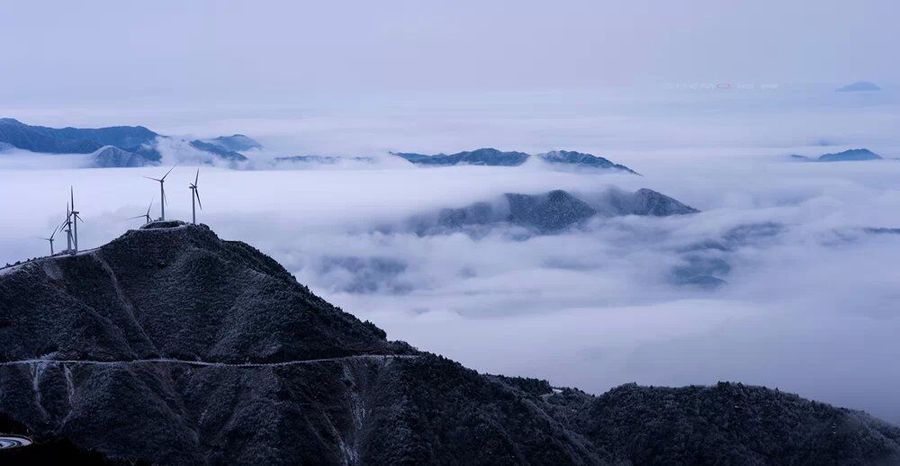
(581, 159)
(116, 146)
(235, 143)
(851, 155)
(882, 231)
(485, 156)
(498, 158)
(547, 213)
(72, 140)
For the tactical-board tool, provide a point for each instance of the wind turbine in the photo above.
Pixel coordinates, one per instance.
(162, 193)
(50, 239)
(145, 216)
(75, 218)
(195, 196)
(67, 223)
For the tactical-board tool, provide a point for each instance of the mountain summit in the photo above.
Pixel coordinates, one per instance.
(170, 345)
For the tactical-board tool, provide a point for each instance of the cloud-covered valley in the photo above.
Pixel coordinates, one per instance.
(807, 303)
(778, 280)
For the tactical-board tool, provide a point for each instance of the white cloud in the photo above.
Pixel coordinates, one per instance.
(810, 309)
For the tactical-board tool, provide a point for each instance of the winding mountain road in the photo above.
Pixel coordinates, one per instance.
(208, 363)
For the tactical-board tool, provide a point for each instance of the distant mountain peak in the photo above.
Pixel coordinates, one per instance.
(234, 143)
(581, 159)
(490, 156)
(859, 86)
(849, 155)
(135, 145)
(548, 213)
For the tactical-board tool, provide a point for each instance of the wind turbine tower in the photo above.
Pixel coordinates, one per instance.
(195, 197)
(50, 239)
(162, 193)
(68, 228)
(75, 219)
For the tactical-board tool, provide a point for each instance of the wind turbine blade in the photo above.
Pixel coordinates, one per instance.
(151, 178)
(167, 173)
(72, 194)
(150, 207)
(196, 177)
(197, 192)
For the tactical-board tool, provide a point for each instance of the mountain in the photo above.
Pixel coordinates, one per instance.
(234, 143)
(705, 264)
(222, 152)
(562, 157)
(494, 157)
(72, 140)
(171, 346)
(647, 202)
(726, 423)
(112, 156)
(882, 231)
(485, 156)
(549, 212)
(859, 86)
(117, 146)
(851, 155)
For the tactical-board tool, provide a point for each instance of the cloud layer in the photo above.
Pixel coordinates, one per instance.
(810, 303)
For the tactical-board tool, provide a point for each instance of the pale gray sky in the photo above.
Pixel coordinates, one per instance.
(264, 50)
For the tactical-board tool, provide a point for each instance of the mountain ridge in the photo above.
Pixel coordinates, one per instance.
(550, 212)
(113, 146)
(849, 155)
(269, 373)
(489, 156)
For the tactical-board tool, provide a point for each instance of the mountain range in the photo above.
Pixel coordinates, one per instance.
(172, 346)
(549, 212)
(850, 155)
(498, 158)
(116, 146)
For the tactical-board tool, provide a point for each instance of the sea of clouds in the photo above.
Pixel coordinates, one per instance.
(811, 300)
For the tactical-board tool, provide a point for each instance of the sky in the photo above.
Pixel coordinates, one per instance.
(809, 308)
(275, 52)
